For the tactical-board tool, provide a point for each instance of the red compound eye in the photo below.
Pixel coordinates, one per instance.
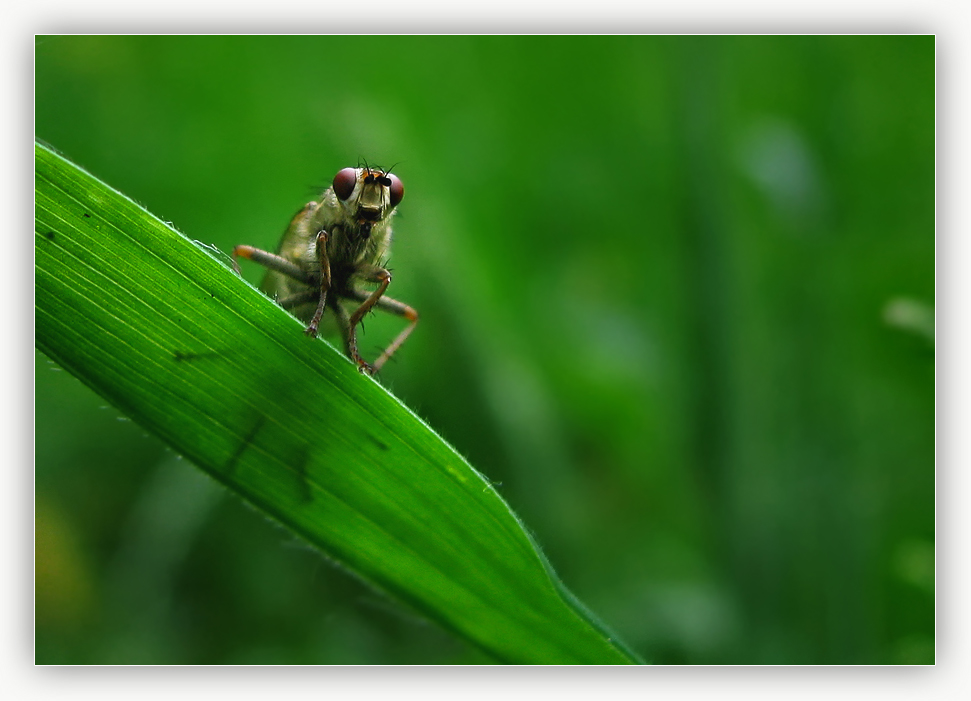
(344, 182)
(397, 189)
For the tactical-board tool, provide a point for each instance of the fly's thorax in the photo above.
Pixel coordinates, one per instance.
(350, 240)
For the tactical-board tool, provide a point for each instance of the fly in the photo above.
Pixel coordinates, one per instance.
(333, 245)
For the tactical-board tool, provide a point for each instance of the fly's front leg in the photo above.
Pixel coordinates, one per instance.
(323, 263)
(301, 225)
(383, 278)
(377, 298)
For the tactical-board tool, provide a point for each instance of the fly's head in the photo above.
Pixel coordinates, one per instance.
(367, 195)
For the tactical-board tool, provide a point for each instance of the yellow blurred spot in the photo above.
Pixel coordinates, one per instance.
(62, 582)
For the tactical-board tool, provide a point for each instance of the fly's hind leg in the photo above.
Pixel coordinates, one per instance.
(400, 309)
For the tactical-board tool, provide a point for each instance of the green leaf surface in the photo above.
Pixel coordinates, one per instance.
(169, 335)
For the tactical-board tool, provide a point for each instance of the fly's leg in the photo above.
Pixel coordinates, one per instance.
(344, 325)
(324, 264)
(298, 299)
(400, 309)
(300, 224)
(368, 301)
(383, 278)
(271, 261)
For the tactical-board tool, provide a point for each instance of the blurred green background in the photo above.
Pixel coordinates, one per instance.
(676, 296)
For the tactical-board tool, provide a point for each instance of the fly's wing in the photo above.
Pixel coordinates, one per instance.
(297, 246)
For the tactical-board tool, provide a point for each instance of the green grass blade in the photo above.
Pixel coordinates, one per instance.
(170, 336)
